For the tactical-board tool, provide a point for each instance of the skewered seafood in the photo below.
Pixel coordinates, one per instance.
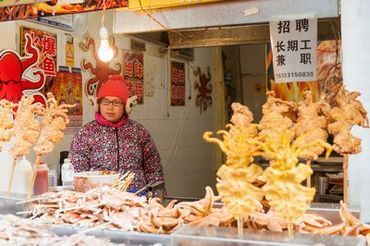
(6, 121)
(26, 130)
(236, 177)
(278, 115)
(348, 112)
(311, 122)
(54, 121)
(288, 198)
(26, 126)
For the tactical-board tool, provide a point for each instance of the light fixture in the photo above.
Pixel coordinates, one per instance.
(105, 52)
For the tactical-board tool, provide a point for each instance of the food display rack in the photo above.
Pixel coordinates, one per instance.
(188, 235)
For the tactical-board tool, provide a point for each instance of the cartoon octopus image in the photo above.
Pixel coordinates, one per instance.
(19, 75)
(204, 87)
(101, 71)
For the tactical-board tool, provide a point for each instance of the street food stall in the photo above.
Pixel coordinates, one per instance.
(273, 172)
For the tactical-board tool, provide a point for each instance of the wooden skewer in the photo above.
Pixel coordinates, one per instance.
(34, 174)
(290, 230)
(308, 163)
(240, 225)
(345, 178)
(15, 159)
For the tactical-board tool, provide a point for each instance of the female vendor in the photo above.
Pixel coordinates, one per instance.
(114, 142)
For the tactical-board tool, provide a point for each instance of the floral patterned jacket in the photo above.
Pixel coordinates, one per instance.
(125, 148)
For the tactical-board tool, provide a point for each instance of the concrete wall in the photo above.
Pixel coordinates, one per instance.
(253, 77)
(356, 64)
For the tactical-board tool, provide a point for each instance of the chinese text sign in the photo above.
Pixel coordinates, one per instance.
(294, 42)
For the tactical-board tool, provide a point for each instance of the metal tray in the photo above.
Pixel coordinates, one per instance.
(115, 236)
(215, 236)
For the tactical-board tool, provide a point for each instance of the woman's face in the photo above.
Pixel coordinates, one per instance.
(112, 108)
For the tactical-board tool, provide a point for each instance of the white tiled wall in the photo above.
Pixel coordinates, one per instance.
(189, 162)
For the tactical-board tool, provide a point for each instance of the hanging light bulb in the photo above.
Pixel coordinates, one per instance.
(105, 52)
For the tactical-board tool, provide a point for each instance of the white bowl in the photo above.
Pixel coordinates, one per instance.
(84, 181)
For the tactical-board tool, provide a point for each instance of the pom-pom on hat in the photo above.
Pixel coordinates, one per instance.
(115, 86)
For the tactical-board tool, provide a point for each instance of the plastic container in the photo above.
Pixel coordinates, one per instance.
(22, 176)
(67, 172)
(52, 176)
(42, 180)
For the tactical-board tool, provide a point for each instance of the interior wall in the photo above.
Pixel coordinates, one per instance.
(253, 77)
(189, 162)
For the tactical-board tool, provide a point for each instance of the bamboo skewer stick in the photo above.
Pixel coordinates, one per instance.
(345, 178)
(308, 163)
(240, 225)
(34, 174)
(290, 230)
(15, 159)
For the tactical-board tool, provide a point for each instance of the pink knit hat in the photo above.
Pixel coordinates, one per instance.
(114, 87)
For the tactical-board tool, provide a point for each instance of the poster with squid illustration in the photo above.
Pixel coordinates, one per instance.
(52, 8)
(133, 72)
(329, 75)
(99, 71)
(67, 89)
(20, 74)
(177, 83)
(46, 43)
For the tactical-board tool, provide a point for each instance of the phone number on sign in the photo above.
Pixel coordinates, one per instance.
(293, 75)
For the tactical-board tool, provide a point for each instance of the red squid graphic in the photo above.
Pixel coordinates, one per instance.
(204, 87)
(19, 75)
(101, 71)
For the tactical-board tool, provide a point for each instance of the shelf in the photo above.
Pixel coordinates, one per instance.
(328, 197)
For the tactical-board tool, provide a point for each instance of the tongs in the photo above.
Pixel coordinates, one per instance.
(156, 185)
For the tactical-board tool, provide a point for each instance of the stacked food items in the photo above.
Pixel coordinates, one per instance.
(17, 231)
(107, 207)
(286, 132)
(110, 207)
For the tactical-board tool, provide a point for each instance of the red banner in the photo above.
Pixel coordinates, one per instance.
(46, 42)
(177, 83)
(21, 12)
(133, 72)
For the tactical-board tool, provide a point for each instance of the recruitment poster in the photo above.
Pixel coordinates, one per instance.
(294, 42)
(133, 72)
(177, 83)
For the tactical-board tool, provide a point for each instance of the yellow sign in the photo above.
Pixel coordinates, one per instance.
(156, 4)
(70, 53)
(7, 3)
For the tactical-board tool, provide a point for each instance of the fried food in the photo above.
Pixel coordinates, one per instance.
(6, 121)
(278, 115)
(236, 177)
(239, 195)
(26, 126)
(348, 112)
(312, 123)
(54, 121)
(288, 198)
